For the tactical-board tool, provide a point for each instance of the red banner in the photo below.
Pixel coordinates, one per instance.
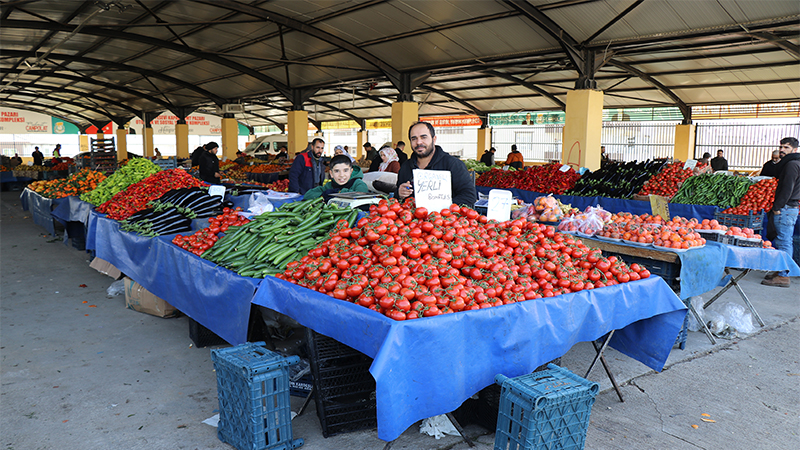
(107, 129)
(453, 121)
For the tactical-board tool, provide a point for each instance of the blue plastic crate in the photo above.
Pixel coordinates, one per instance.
(254, 404)
(544, 410)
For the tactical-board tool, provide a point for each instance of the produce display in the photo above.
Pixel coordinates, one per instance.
(271, 240)
(264, 168)
(666, 182)
(279, 186)
(60, 166)
(677, 233)
(589, 222)
(135, 171)
(194, 203)
(152, 223)
(205, 238)
(406, 263)
(711, 189)
(617, 180)
(548, 179)
(136, 196)
(82, 181)
(759, 197)
(4, 169)
(543, 209)
(476, 166)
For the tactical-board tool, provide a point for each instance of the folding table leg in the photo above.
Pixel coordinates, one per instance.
(306, 402)
(602, 359)
(459, 429)
(735, 283)
(702, 324)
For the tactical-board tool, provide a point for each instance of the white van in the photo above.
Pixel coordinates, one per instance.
(267, 145)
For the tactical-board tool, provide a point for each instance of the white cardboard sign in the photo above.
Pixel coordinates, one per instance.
(690, 164)
(217, 190)
(433, 189)
(499, 207)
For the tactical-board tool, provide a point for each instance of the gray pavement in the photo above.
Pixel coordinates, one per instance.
(79, 371)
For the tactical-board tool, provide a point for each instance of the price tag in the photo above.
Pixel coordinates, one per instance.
(659, 206)
(433, 189)
(690, 164)
(499, 207)
(506, 167)
(217, 190)
(564, 168)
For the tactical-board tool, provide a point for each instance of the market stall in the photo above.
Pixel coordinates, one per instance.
(470, 348)
(41, 209)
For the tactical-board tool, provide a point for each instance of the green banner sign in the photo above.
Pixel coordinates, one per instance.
(526, 118)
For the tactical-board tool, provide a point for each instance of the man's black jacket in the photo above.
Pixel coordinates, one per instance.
(463, 188)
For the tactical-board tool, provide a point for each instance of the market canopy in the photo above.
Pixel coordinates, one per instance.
(90, 62)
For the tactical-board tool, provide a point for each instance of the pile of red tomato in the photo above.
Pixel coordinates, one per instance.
(758, 198)
(136, 196)
(405, 263)
(279, 186)
(205, 238)
(548, 179)
(666, 182)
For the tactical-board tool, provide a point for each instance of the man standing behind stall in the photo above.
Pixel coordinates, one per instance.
(770, 168)
(38, 157)
(428, 155)
(308, 168)
(719, 163)
(785, 207)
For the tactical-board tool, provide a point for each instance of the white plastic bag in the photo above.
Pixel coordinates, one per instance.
(438, 426)
(116, 288)
(259, 203)
(697, 302)
(738, 318)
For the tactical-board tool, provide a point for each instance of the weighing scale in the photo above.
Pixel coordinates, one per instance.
(358, 200)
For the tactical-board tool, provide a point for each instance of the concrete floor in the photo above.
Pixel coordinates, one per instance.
(79, 371)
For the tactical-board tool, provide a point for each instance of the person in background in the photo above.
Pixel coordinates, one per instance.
(346, 149)
(401, 152)
(57, 151)
(308, 168)
(157, 154)
(719, 163)
(209, 164)
(770, 168)
(702, 164)
(488, 157)
(283, 153)
(196, 154)
(376, 160)
(369, 152)
(38, 157)
(339, 150)
(515, 159)
(344, 178)
(15, 160)
(241, 158)
(603, 156)
(785, 207)
(428, 155)
(390, 162)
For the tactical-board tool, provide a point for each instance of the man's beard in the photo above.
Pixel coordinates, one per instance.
(427, 152)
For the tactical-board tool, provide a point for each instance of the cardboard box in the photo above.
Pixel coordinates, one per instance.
(140, 299)
(105, 268)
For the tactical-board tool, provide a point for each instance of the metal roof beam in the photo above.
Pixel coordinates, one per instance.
(60, 101)
(785, 44)
(25, 105)
(612, 22)
(685, 109)
(529, 85)
(452, 97)
(58, 89)
(133, 69)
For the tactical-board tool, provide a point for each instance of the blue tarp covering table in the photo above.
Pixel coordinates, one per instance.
(213, 296)
(73, 213)
(468, 349)
(755, 258)
(41, 208)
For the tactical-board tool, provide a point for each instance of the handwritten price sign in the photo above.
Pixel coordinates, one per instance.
(433, 189)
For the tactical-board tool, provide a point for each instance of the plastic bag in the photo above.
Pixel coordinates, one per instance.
(569, 224)
(738, 317)
(259, 203)
(438, 426)
(718, 326)
(697, 302)
(116, 288)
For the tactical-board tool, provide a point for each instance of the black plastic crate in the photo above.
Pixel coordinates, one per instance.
(202, 336)
(717, 237)
(483, 411)
(754, 221)
(670, 272)
(745, 243)
(344, 388)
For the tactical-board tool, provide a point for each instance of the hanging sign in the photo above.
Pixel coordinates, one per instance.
(659, 206)
(433, 189)
(499, 207)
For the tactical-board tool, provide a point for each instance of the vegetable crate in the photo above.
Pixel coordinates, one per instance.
(254, 404)
(166, 164)
(544, 410)
(754, 221)
(202, 336)
(344, 388)
(745, 243)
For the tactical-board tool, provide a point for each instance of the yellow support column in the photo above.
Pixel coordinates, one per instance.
(403, 115)
(484, 140)
(230, 138)
(148, 141)
(362, 139)
(582, 129)
(122, 144)
(182, 139)
(297, 131)
(684, 142)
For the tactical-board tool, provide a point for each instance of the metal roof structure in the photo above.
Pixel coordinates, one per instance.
(93, 61)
